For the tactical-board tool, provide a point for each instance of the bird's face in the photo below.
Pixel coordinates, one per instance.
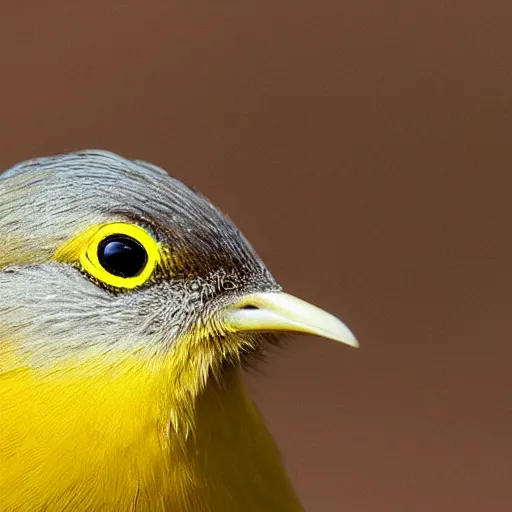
(102, 257)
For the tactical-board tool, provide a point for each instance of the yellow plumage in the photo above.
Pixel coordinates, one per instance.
(105, 442)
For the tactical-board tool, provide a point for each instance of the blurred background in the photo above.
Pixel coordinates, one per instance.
(364, 149)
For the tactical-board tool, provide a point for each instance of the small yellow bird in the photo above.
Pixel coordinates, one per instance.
(129, 305)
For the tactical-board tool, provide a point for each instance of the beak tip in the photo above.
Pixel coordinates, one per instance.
(344, 335)
(353, 343)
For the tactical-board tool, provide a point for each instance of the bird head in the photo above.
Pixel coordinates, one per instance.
(105, 258)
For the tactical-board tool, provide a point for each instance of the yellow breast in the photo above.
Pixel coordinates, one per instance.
(116, 434)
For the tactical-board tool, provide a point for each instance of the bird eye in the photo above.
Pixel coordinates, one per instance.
(119, 254)
(122, 255)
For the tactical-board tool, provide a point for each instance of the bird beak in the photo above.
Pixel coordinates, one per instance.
(276, 311)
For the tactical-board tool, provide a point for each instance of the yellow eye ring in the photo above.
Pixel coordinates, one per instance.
(88, 250)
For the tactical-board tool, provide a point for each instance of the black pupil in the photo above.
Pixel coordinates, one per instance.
(122, 256)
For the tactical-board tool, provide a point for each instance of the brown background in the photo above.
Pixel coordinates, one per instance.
(364, 148)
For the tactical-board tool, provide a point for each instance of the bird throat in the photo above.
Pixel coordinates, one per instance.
(124, 437)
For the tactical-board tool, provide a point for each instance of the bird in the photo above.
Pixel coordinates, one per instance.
(130, 306)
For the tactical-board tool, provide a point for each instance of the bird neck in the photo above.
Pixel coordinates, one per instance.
(236, 463)
(107, 437)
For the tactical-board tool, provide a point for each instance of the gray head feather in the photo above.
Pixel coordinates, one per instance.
(53, 308)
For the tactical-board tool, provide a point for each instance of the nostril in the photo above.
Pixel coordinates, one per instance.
(250, 306)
